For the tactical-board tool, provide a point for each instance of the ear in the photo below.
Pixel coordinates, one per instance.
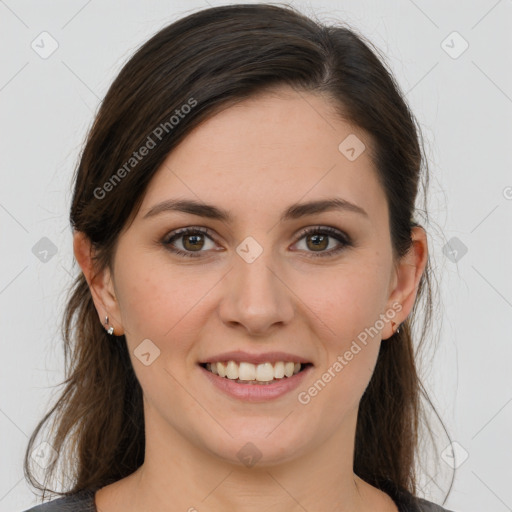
(406, 279)
(100, 283)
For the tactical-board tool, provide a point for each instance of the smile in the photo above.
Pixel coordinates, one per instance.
(242, 380)
(244, 372)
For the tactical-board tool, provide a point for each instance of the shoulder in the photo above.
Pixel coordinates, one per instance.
(82, 501)
(407, 502)
(428, 506)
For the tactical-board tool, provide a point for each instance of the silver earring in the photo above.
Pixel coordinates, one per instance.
(110, 330)
(398, 329)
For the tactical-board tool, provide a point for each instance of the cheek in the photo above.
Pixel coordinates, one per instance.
(162, 304)
(346, 308)
(344, 316)
(347, 299)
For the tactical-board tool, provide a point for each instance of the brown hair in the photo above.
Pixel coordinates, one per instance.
(209, 60)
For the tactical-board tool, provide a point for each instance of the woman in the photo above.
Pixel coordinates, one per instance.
(240, 336)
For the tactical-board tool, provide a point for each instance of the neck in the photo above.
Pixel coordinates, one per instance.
(180, 475)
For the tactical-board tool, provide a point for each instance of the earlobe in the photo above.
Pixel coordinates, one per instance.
(99, 281)
(409, 271)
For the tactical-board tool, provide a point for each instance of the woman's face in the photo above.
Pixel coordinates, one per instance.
(256, 283)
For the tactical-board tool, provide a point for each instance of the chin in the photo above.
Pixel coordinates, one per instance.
(270, 444)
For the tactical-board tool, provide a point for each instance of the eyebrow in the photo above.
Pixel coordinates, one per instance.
(295, 211)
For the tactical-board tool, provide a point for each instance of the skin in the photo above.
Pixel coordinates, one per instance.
(255, 159)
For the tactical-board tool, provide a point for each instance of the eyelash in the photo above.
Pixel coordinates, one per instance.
(331, 232)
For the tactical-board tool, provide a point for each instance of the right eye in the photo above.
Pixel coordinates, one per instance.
(191, 239)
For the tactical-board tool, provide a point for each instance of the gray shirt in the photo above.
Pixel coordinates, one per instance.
(83, 501)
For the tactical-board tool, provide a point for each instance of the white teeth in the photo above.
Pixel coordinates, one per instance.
(264, 372)
(247, 371)
(232, 370)
(221, 369)
(279, 370)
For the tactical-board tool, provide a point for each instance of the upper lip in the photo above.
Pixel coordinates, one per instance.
(240, 356)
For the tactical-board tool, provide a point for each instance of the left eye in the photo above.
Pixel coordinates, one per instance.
(193, 240)
(319, 237)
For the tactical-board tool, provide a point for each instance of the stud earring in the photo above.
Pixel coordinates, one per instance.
(397, 329)
(110, 330)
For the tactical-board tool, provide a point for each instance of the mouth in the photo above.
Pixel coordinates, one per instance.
(261, 374)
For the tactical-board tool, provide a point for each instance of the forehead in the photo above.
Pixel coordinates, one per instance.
(268, 151)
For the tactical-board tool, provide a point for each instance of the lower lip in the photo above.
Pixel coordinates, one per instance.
(257, 392)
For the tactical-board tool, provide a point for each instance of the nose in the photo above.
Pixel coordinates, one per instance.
(256, 296)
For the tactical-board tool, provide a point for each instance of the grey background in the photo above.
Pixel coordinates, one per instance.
(463, 102)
